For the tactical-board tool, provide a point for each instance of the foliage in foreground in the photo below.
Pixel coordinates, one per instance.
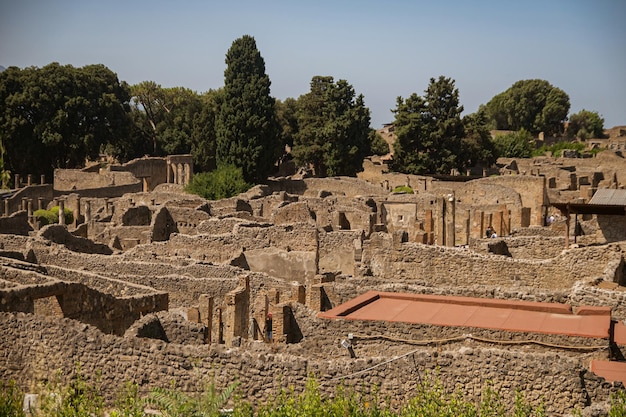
(226, 181)
(79, 398)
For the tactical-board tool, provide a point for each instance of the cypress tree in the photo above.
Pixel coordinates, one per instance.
(247, 128)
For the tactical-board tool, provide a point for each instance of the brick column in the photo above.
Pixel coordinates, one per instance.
(205, 307)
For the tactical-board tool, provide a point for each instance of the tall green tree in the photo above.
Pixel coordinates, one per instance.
(203, 137)
(57, 116)
(166, 116)
(247, 129)
(533, 105)
(429, 130)
(333, 128)
(585, 125)
(477, 147)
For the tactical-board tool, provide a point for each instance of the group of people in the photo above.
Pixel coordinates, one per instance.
(491, 233)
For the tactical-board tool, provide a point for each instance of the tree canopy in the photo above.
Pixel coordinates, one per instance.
(247, 129)
(533, 105)
(518, 144)
(333, 128)
(429, 130)
(585, 125)
(58, 115)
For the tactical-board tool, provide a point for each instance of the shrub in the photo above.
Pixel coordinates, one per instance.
(403, 189)
(51, 216)
(226, 181)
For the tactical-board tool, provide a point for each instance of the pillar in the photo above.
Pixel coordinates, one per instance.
(29, 180)
(17, 181)
(440, 222)
(62, 212)
(29, 207)
(106, 206)
(43, 179)
(179, 174)
(6, 207)
(298, 292)
(450, 214)
(24, 203)
(168, 172)
(187, 174)
(40, 203)
(205, 308)
(77, 212)
(87, 211)
(145, 184)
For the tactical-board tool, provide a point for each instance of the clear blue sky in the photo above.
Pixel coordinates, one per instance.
(384, 49)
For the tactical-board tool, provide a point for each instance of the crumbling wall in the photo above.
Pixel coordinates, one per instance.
(562, 378)
(523, 247)
(441, 266)
(15, 224)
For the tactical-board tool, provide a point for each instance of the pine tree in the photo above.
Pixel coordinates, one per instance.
(333, 135)
(430, 130)
(247, 129)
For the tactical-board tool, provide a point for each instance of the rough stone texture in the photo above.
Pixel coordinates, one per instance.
(37, 342)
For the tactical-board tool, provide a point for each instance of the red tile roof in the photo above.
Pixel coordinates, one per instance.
(509, 315)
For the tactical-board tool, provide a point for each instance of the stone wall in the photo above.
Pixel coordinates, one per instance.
(522, 247)
(110, 305)
(32, 343)
(15, 224)
(439, 266)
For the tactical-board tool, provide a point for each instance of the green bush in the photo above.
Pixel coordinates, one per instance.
(226, 181)
(51, 216)
(403, 189)
(558, 148)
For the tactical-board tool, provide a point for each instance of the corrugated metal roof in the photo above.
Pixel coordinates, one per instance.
(610, 197)
(517, 316)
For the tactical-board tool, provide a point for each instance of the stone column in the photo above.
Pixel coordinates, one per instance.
(179, 174)
(24, 203)
(205, 309)
(450, 215)
(17, 181)
(6, 207)
(62, 212)
(187, 174)
(29, 207)
(77, 212)
(87, 211)
(40, 203)
(168, 172)
(145, 184)
(29, 180)
(43, 179)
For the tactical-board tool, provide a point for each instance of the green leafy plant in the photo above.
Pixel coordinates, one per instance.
(77, 399)
(51, 216)
(226, 181)
(618, 404)
(403, 189)
(128, 403)
(174, 403)
(11, 400)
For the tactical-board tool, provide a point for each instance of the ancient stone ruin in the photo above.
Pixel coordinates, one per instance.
(149, 284)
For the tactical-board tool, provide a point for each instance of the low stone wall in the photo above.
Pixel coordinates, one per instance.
(15, 224)
(110, 305)
(32, 343)
(522, 247)
(441, 266)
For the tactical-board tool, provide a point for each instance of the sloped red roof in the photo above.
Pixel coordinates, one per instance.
(509, 315)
